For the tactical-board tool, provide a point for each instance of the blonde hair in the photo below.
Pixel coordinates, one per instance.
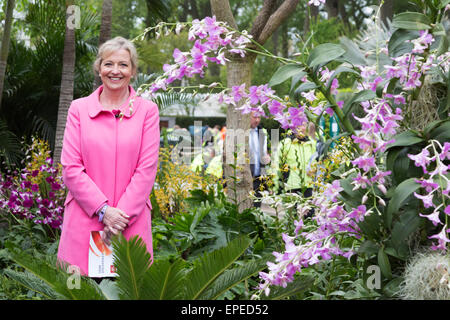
(116, 44)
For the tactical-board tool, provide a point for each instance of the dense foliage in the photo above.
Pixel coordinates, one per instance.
(380, 199)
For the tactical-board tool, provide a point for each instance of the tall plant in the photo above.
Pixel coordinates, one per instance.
(30, 102)
(5, 44)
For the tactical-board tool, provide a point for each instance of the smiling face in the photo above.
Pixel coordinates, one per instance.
(116, 70)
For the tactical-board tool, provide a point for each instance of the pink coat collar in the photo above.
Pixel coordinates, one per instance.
(95, 107)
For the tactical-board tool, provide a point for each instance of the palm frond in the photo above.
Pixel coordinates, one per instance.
(10, 147)
(54, 275)
(109, 289)
(211, 265)
(157, 10)
(167, 280)
(142, 78)
(46, 15)
(132, 261)
(181, 102)
(233, 277)
(365, 48)
(31, 282)
(45, 128)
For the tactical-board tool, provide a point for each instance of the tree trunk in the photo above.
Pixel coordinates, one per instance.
(332, 8)
(105, 32)
(387, 11)
(239, 70)
(66, 91)
(5, 44)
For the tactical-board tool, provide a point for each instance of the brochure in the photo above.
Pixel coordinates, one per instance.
(101, 260)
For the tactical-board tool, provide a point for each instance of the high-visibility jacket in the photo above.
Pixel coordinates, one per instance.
(214, 167)
(291, 164)
(198, 163)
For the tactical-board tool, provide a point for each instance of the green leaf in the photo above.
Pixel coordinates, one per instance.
(232, 277)
(444, 3)
(324, 53)
(211, 265)
(132, 261)
(54, 275)
(399, 42)
(400, 194)
(166, 280)
(369, 248)
(391, 157)
(441, 133)
(361, 96)
(440, 45)
(31, 282)
(371, 225)
(406, 138)
(285, 72)
(432, 125)
(296, 79)
(304, 87)
(401, 169)
(341, 69)
(109, 289)
(392, 287)
(300, 284)
(383, 263)
(408, 223)
(411, 21)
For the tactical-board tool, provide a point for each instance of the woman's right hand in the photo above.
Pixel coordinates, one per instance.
(115, 219)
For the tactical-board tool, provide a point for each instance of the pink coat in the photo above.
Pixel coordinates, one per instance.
(107, 160)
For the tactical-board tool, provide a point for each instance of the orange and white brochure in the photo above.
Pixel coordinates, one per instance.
(101, 260)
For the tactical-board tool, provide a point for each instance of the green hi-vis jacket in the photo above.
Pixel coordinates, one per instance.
(214, 166)
(291, 164)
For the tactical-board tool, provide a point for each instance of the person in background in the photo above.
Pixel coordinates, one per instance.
(208, 162)
(208, 137)
(259, 157)
(109, 158)
(293, 160)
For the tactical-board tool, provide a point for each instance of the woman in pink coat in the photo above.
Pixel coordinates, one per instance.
(109, 158)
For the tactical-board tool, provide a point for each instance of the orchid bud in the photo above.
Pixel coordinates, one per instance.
(381, 201)
(382, 188)
(178, 28)
(364, 198)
